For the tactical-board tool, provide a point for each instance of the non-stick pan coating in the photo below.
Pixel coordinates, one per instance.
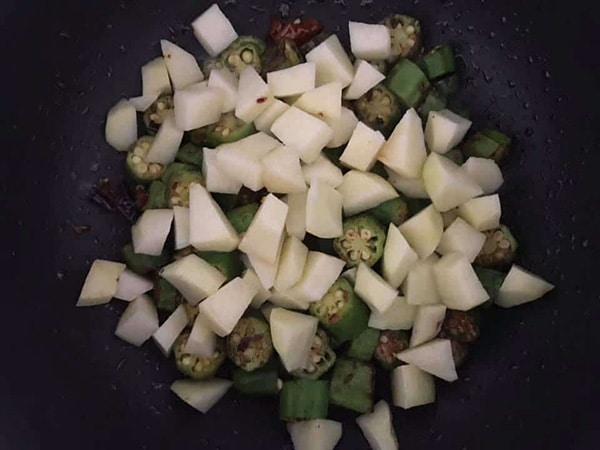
(66, 382)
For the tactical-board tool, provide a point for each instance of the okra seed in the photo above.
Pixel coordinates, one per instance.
(383, 339)
(365, 255)
(142, 168)
(346, 245)
(386, 101)
(365, 234)
(410, 29)
(136, 159)
(247, 56)
(498, 236)
(504, 244)
(339, 295)
(154, 117)
(161, 106)
(226, 132)
(354, 255)
(339, 305)
(499, 254)
(351, 234)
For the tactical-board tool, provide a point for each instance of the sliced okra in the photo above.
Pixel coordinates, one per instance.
(190, 154)
(197, 367)
(448, 86)
(228, 129)
(379, 108)
(262, 382)
(461, 326)
(249, 346)
(487, 143)
(438, 62)
(320, 360)
(390, 343)
(352, 385)
(242, 216)
(490, 279)
(145, 264)
(243, 52)
(178, 185)
(157, 196)
(156, 114)
(362, 242)
(281, 55)
(166, 297)
(406, 35)
(393, 211)
(303, 400)
(139, 170)
(408, 82)
(363, 347)
(434, 101)
(228, 263)
(499, 249)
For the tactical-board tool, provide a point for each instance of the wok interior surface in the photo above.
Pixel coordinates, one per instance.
(531, 382)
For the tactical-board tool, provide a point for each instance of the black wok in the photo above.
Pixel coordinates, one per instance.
(67, 383)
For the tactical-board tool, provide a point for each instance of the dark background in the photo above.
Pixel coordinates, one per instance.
(532, 68)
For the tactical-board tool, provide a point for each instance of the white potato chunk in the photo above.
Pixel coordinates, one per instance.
(214, 30)
(332, 61)
(101, 283)
(361, 152)
(445, 130)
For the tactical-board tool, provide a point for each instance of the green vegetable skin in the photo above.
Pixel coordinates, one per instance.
(362, 242)
(241, 217)
(341, 312)
(390, 343)
(259, 382)
(406, 35)
(190, 154)
(456, 156)
(249, 346)
(320, 360)
(363, 347)
(138, 169)
(166, 297)
(487, 143)
(490, 279)
(145, 264)
(228, 263)
(228, 129)
(155, 115)
(244, 51)
(157, 196)
(434, 101)
(408, 82)
(303, 400)
(352, 385)
(381, 65)
(178, 177)
(393, 211)
(282, 55)
(197, 367)
(439, 62)
(461, 326)
(499, 249)
(448, 86)
(379, 108)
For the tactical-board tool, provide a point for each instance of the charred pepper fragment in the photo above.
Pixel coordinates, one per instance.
(362, 241)
(241, 217)
(157, 196)
(487, 143)
(197, 367)
(260, 382)
(166, 297)
(144, 264)
(249, 346)
(408, 82)
(460, 352)
(190, 154)
(228, 263)
(499, 249)
(300, 31)
(282, 55)
(243, 52)
(490, 279)
(393, 211)
(391, 343)
(461, 326)
(303, 400)
(438, 62)
(434, 101)
(379, 108)
(155, 115)
(320, 360)
(341, 312)
(352, 385)
(138, 168)
(407, 38)
(228, 129)
(363, 347)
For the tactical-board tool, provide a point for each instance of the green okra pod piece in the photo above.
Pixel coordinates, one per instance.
(320, 360)
(363, 346)
(434, 101)
(390, 343)
(228, 129)
(190, 154)
(499, 249)
(406, 36)
(303, 400)
(241, 217)
(145, 264)
(393, 211)
(281, 55)
(456, 156)
(138, 169)
(228, 263)
(408, 82)
(362, 242)
(448, 86)
(156, 114)
(157, 196)
(243, 52)
(380, 109)
(461, 326)
(178, 184)
(352, 385)
(341, 312)
(166, 297)
(381, 65)
(249, 345)
(490, 279)
(438, 62)
(197, 367)
(416, 205)
(487, 143)
(261, 382)
(211, 64)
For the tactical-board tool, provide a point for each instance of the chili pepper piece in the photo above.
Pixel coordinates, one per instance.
(196, 367)
(257, 383)
(363, 346)
(499, 249)
(393, 211)
(362, 242)
(352, 385)
(406, 34)
(299, 30)
(380, 109)
(408, 82)
(438, 62)
(391, 343)
(249, 346)
(156, 114)
(303, 400)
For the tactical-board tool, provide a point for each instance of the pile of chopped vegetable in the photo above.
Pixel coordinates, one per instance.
(300, 225)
